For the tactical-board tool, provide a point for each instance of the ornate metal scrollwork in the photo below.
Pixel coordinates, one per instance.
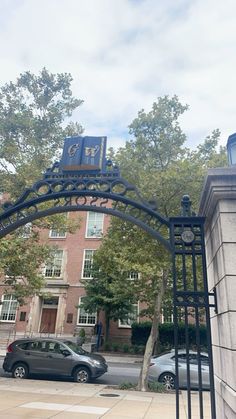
(58, 192)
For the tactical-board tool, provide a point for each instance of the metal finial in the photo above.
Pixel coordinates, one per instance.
(186, 206)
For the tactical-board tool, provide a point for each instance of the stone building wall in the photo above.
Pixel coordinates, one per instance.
(218, 205)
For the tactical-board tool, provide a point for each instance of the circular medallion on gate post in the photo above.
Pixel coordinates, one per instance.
(187, 236)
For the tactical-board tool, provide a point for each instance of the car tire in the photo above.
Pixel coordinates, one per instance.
(20, 370)
(168, 380)
(82, 375)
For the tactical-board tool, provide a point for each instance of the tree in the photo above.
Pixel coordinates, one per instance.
(20, 263)
(157, 162)
(33, 114)
(104, 292)
(32, 126)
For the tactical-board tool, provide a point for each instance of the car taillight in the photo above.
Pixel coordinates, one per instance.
(9, 348)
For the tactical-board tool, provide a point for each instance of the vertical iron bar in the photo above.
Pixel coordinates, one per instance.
(195, 285)
(172, 237)
(184, 281)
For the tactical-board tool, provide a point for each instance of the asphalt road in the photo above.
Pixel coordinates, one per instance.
(117, 373)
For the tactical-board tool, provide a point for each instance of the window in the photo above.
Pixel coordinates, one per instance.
(22, 316)
(167, 315)
(94, 225)
(88, 264)
(85, 318)
(8, 308)
(132, 275)
(131, 318)
(69, 318)
(26, 230)
(57, 234)
(54, 267)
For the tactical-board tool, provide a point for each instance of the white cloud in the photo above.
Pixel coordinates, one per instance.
(124, 54)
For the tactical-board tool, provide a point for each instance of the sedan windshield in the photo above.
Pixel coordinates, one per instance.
(75, 348)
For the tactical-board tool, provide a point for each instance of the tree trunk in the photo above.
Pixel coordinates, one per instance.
(143, 377)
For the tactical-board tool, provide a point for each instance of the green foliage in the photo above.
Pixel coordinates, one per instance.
(107, 346)
(82, 333)
(141, 331)
(156, 387)
(104, 291)
(20, 263)
(126, 348)
(126, 385)
(33, 114)
(33, 111)
(115, 347)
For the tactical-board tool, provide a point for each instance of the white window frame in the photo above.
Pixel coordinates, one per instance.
(100, 231)
(54, 266)
(84, 260)
(130, 321)
(57, 234)
(86, 315)
(163, 317)
(133, 275)
(26, 230)
(12, 301)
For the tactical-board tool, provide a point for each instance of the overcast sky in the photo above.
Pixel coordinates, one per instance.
(123, 54)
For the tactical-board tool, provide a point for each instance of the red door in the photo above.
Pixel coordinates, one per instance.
(48, 320)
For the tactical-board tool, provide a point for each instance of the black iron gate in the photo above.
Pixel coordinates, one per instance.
(92, 189)
(191, 300)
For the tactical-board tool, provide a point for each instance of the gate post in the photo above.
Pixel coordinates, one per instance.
(218, 204)
(191, 300)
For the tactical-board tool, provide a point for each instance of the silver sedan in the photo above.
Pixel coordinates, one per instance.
(162, 369)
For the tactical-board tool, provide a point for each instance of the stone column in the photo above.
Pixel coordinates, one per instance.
(218, 205)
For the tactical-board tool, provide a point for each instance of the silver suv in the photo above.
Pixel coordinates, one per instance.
(52, 357)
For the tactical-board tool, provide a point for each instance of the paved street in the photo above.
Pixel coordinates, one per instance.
(118, 372)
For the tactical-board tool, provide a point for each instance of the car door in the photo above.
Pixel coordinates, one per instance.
(57, 362)
(204, 370)
(182, 367)
(35, 356)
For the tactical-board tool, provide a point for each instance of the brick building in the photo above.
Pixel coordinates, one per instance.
(58, 314)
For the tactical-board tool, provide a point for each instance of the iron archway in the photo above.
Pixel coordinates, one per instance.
(92, 189)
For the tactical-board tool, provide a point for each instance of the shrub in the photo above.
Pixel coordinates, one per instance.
(141, 331)
(107, 346)
(115, 347)
(127, 386)
(156, 387)
(126, 348)
(136, 349)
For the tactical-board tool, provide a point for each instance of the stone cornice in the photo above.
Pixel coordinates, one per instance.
(220, 184)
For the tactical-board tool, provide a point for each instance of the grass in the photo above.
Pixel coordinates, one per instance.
(152, 386)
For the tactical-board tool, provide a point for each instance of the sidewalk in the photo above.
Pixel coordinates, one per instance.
(66, 400)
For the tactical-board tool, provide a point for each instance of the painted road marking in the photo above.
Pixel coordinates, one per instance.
(68, 407)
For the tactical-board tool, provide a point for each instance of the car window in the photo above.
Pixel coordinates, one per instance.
(204, 360)
(24, 346)
(182, 357)
(34, 346)
(77, 349)
(55, 347)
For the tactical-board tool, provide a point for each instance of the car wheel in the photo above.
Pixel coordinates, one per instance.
(20, 371)
(82, 375)
(168, 380)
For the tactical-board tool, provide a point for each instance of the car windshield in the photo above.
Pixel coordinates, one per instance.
(75, 348)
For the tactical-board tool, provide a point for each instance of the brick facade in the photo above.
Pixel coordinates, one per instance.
(59, 315)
